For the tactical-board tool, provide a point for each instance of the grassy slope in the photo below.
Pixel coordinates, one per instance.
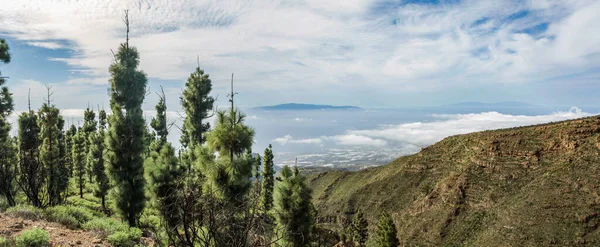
(528, 186)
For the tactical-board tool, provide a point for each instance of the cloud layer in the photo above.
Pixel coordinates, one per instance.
(308, 46)
(420, 134)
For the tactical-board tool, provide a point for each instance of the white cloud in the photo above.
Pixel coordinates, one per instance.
(409, 137)
(344, 140)
(289, 139)
(283, 140)
(307, 141)
(47, 45)
(427, 133)
(356, 140)
(319, 44)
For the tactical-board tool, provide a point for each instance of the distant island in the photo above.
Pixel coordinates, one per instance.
(296, 106)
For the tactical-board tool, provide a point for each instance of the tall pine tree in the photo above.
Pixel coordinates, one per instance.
(63, 171)
(78, 159)
(229, 177)
(96, 159)
(125, 138)
(268, 180)
(50, 151)
(8, 170)
(165, 173)
(31, 173)
(198, 106)
(386, 232)
(69, 134)
(89, 128)
(293, 208)
(232, 139)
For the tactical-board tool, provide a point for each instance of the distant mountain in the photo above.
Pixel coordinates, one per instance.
(497, 104)
(295, 106)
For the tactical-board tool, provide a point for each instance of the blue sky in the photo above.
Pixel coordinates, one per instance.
(369, 53)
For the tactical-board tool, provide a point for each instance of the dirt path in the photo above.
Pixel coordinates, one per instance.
(59, 234)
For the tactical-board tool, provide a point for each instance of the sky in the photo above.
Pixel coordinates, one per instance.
(369, 53)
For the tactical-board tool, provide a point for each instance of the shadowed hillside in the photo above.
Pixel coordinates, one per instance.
(527, 186)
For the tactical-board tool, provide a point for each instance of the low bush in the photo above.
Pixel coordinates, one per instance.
(32, 238)
(5, 242)
(3, 204)
(127, 238)
(117, 233)
(71, 216)
(26, 212)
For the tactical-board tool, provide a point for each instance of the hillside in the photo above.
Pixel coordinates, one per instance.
(527, 186)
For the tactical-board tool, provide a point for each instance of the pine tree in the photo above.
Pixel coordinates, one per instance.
(232, 172)
(165, 177)
(257, 166)
(165, 171)
(69, 148)
(96, 159)
(159, 124)
(78, 158)
(293, 208)
(268, 180)
(50, 151)
(8, 170)
(229, 176)
(6, 100)
(386, 232)
(89, 127)
(148, 140)
(31, 173)
(125, 138)
(198, 106)
(359, 228)
(63, 171)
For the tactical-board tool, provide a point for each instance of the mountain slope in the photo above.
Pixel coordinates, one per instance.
(527, 186)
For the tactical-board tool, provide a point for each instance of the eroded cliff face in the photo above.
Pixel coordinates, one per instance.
(527, 186)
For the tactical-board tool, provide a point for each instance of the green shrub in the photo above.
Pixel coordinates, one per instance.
(32, 238)
(117, 233)
(3, 204)
(25, 211)
(4, 242)
(70, 216)
(127, 238)
(105, 226)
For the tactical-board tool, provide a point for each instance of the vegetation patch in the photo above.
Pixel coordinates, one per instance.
(32, 238)
(71, 216)
(27, 212)
(116, 232)
(5, 242)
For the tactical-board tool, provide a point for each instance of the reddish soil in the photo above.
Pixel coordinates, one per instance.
(59, 234)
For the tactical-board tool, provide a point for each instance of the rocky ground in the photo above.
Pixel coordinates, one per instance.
(59, 234)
